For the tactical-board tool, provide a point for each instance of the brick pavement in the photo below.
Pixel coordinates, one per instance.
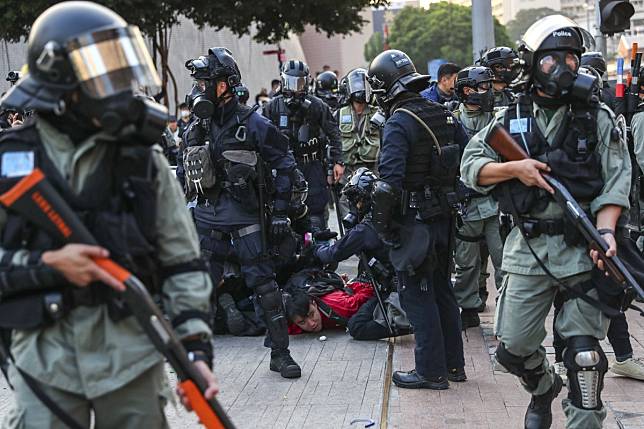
(491, 399)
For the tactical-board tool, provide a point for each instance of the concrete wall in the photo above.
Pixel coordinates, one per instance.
(187, 41)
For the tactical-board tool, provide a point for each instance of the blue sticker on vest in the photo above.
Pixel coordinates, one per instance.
(345, 119)
(519, 126)
(16, 164)
(283, 121)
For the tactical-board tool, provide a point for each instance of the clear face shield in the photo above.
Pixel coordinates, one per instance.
(109, 62)
(293, 86)
(357, 87)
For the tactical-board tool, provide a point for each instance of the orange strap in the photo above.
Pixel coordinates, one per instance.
(200, 406)
(25, 184)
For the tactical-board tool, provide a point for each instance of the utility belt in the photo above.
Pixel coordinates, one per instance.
(44, 308)
(430, 203)
(309, 151)
(227, 236)
(536, 227)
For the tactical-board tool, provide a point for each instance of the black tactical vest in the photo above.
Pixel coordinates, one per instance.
(572, 156)
(303, 131)
(426, 164)
(117, 204)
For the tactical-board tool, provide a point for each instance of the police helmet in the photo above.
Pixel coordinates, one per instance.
(358, 189)
(595, 60)
(356, 85)
(480, 80)
(504, 63)
(391, 73)
(326, 82)
(295, 78)
(551, 51)
(66, 45)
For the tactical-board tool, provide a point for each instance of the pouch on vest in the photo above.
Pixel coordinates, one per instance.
(241, 175)
(524, 198)
(446, 164)
(199, 169)
(27, 312)
(578, 176)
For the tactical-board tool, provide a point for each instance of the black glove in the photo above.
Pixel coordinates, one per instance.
(325, 235)
(279, 225)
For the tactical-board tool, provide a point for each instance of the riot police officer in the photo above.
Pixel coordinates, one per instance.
(480, 217)
(504, 63)
(556, 120)
(326, 89)
(412, 211)
(93, 138)
(596, 61)
(313, 136)
(229, 176)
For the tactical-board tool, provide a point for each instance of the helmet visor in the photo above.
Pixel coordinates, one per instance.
(293, 84)
(356, 82)
(112, 61)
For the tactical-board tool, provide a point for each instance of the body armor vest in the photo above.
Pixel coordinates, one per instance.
(571, 157)
(360, 141)
(430, 162)
(305, 137)
(117, 204)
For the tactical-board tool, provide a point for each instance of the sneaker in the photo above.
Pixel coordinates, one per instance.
(631, 368)
(561, 371)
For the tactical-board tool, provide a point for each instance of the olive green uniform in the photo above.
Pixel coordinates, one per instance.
(360, 139)
(527, 293)
(637, 129)
(480, 223)
(86, 359)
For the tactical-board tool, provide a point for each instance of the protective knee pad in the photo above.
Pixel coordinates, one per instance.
(586, 364)
(270, 300)
(516, 365)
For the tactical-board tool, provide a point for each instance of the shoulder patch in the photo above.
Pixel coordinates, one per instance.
(17, 164)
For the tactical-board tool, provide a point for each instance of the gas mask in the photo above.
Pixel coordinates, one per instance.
(482, 97)
(556, 74)
(202, 107)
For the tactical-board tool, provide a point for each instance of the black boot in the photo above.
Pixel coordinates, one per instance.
(456, 374)
(539, 413)
(470, 318)
(235, 321)
(483, 294)
(282, 362)
(413, 380)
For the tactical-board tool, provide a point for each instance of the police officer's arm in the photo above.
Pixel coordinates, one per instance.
(274, 150)
(186, 286)
(481, 168)
(331, 129)
(394, 149)
(357, 240)
(637, 128)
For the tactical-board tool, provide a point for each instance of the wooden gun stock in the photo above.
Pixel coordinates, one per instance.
(503, 144)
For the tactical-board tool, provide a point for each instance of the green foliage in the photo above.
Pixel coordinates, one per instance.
(374, 46)
(524, 19)
(273, 20)
(443, 31)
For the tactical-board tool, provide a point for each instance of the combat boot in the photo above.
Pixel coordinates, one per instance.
(413, 380)
(539, 413)
(282, 362)
(235, 321)
(470, 318)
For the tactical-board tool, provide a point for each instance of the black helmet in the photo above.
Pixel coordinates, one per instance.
(326, 83)
(595, 60)
(295, 78)
(504, 63)
(223, 66)
(551, 51)
(358, 192)
(391, 73)
(80, 43)
(479, 79)
(356, 85)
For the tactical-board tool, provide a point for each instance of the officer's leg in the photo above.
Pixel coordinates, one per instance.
(30, 413)
(582, 326)
(259, 276)
(494, 246)
(483, 274)
(521, 313)
(215, 248)
(468, 264)
(449, 318)
(138, 404)
(558, 343)
(318, 196)
(362, 325)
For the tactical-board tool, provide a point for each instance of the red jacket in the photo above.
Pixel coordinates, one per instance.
(342, 303)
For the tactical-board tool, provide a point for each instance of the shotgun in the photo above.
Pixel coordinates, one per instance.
(36, 199)
(503, 143)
